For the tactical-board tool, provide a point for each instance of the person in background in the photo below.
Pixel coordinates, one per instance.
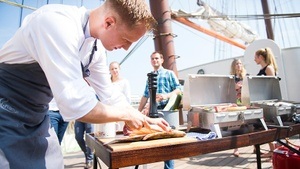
(57, 121)
(80, 129)
(44, 59)
(122, 85)
(265, 58)
(167, 85)
(239, 72)
(237, 69)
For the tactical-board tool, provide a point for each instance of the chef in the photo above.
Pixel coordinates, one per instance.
(56, 46)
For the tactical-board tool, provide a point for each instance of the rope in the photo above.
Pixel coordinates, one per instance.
(18, 5)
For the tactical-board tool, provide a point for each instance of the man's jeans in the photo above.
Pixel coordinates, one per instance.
(169, 164)
(58, 123)
(80, 128)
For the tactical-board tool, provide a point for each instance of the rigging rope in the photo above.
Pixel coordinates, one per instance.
(17, 5)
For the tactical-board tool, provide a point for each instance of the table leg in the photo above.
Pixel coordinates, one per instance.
(95, 165)
(264, 123)
(258, 158)
(216, 128)
(278, 118)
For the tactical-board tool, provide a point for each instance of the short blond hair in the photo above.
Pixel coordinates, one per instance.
(133, 12)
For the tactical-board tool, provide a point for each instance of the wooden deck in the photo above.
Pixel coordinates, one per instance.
(220, 160)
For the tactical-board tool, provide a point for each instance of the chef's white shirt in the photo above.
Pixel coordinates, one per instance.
(53, 36)
(53, 105)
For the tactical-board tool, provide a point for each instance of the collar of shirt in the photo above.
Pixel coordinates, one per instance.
(87, 33)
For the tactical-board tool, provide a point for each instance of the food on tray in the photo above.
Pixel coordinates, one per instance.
(164, 134)
(145, 130)
(229, 107)
(148, 134)
(155, 132)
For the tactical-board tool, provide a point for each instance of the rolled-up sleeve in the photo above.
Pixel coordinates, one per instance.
(76, 100)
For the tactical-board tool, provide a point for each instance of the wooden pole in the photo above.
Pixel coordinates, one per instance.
(266, 11)
(208, 32)
(163, 40)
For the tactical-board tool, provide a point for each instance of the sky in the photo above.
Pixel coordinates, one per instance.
(193, 47)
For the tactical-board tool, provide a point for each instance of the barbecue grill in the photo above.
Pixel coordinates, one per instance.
(202, 93)
(264, 92)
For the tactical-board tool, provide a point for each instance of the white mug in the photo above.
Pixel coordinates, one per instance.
(107, 130)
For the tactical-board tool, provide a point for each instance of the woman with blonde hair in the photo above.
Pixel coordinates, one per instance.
(121, 83)
(239, 72)
(266, 59)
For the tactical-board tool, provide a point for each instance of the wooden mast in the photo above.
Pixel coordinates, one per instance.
(212, 33)
(268, 23)
(163, 36)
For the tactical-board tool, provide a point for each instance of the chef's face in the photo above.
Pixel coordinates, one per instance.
(119, 37)
(115, 34)
(122, 37)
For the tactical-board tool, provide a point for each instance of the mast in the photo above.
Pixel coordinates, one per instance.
(268, 23)
(163, 36)
(212, 33)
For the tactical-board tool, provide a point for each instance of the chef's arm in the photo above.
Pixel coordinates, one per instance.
(102, 113)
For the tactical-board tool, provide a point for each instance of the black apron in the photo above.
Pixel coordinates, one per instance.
(25, 135)
(25, 138)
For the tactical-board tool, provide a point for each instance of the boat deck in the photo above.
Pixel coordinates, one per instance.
(220, 160)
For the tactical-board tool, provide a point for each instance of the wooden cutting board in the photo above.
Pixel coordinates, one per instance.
(146, 144)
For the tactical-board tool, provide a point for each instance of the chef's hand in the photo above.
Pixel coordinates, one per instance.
(162, 123)
(137, 120)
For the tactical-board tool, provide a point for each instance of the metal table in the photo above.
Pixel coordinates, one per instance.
(129, 154)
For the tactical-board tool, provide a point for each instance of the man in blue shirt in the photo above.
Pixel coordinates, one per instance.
(167, 85)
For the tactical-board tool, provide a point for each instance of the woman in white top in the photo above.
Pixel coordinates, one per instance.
(119, 82)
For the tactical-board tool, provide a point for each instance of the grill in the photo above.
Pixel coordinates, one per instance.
(264, 92)
(202, 93)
